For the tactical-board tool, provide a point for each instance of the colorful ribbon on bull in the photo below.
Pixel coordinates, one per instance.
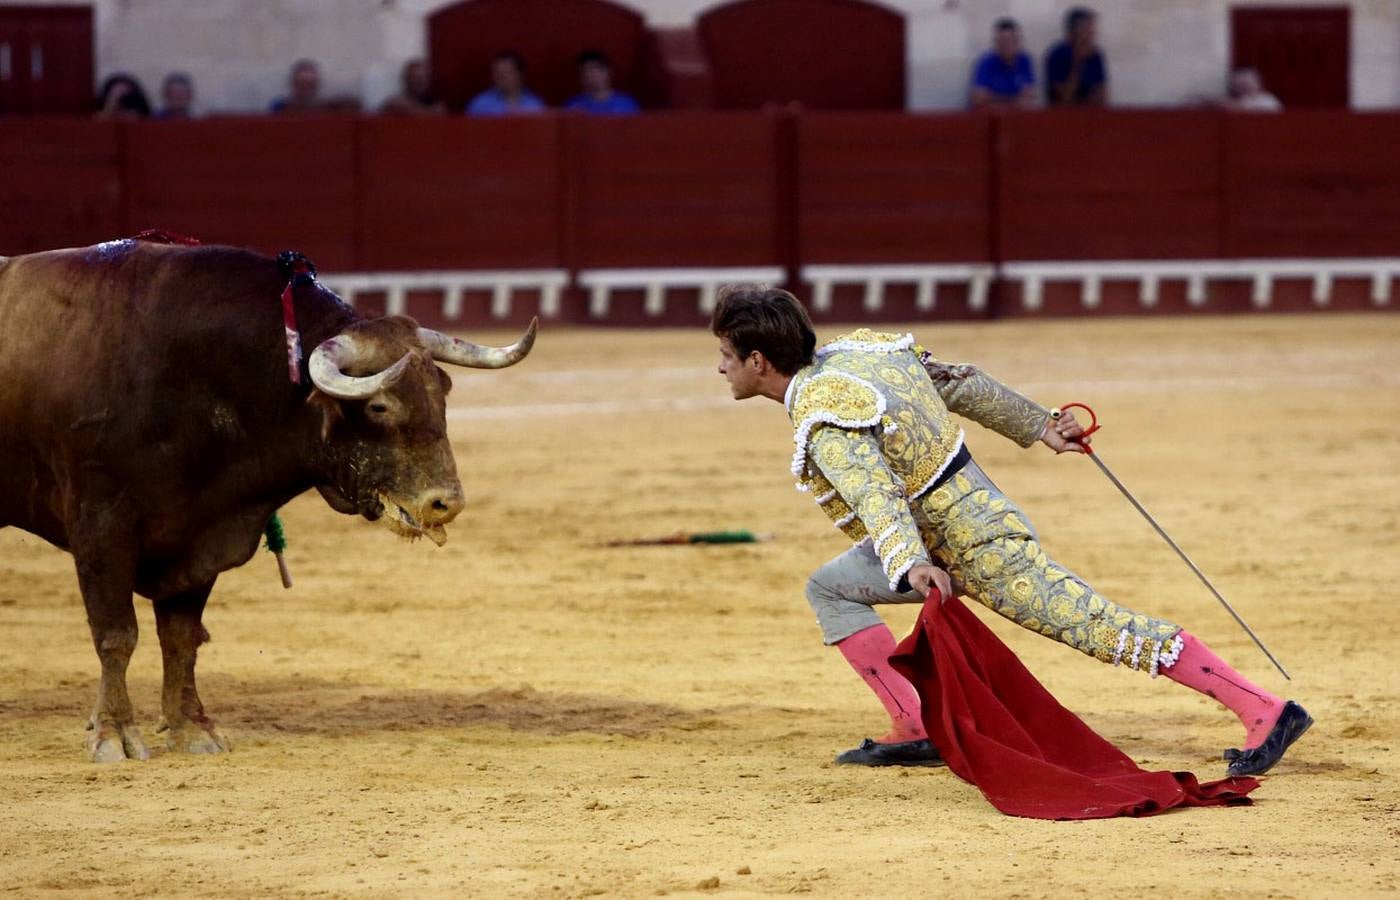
(161, 236)
(299, 271)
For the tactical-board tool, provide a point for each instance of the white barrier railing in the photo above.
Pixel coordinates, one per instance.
(875, 279)
(1150, 273)
(925, 279)
(502, 284)
(600, 284)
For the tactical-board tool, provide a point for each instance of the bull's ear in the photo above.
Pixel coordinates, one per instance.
(329, 408)
(445, 380)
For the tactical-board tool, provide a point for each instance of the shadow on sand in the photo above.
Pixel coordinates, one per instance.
(315, 706)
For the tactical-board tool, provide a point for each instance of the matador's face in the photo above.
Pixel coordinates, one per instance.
(742, 374)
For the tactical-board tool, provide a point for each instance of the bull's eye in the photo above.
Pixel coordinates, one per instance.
(378, 408)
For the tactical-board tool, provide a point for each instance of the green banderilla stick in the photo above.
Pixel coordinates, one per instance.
(703, 537)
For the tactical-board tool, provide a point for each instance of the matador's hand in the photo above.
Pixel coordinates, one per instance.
(925, 578)
(1065, 434)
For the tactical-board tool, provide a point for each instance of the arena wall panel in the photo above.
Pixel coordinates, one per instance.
(60, 183)
(267, 183)
(459, 193)
(1314, 183)
(893, 188)
(1091, 184)
(871, 216)
(679, 189)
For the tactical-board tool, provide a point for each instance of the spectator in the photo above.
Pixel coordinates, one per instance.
(1075, 71)
(507, 95)
(177, 97)
(1004, 75)
(415, 96)
(122, 97)
(1247, 94)
(304, 83)
(595, 82)
(304, 94)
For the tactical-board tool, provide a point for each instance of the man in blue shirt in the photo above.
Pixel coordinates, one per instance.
(507, 95)
(595, 80)
(1075, 71)
(1003, 76)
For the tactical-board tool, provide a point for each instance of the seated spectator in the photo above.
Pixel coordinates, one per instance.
(304, 94)
(1075, 71)
(177, 97)
(122, 97)
(507, 95)
(1004, 76)
(304, 83)
(595, 82)
(415, 96)
(1247, 94)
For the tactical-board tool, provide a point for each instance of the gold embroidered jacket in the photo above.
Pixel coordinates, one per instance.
(873, 433)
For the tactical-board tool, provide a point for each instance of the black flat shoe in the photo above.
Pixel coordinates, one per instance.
(908, 753)
(1292, 722)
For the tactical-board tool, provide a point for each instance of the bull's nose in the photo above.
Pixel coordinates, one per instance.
(442, 506)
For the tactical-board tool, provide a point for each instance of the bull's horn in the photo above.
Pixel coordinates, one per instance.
(464, 353)
(339, 353)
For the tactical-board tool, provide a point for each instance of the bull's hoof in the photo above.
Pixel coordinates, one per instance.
(110, 742)
(194, 738)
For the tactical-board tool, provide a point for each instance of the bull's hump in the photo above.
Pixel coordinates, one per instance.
(109, 251)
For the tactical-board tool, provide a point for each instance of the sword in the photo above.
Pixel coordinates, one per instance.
(1093, 427)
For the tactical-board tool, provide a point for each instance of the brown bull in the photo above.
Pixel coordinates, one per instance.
(149, 426)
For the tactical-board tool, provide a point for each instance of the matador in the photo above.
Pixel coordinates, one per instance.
(877, 449)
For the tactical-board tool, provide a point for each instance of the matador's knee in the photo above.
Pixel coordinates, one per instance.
(839, 613)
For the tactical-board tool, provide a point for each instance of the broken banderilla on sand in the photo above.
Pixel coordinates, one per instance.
(701, 537)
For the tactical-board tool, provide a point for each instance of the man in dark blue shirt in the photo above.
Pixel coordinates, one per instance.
(598, 96)
(1075, 71)
(1003, 76)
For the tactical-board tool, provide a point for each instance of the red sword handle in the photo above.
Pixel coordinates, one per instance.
(1093, 421)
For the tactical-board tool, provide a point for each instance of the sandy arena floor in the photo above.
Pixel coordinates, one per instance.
(525, 713)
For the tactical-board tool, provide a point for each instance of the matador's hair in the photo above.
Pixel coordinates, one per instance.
(770, 320)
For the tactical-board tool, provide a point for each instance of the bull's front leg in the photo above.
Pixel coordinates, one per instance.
(180, 625)
(105, 577)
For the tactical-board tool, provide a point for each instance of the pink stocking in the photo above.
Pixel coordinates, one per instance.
(868, 652)
(1201, 670)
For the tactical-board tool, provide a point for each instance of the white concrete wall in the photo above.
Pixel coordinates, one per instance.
(1160, 52)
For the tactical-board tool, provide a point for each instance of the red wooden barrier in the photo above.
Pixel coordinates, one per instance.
(679, 189)
(890, 188)
(716, 189)
(459, 194)
(265, 183)
(1109, 185)
(60, 183)
(1312, 184)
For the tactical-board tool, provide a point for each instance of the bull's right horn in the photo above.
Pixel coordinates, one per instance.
(465, 353)
(340, 352)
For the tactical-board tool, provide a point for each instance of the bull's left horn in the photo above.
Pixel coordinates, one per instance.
(465, 353)
(340, 352)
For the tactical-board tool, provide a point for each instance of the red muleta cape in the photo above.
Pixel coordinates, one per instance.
(1000, 729)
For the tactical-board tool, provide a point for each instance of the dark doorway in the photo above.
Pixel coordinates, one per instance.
(1303, 53)
(45, 60)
